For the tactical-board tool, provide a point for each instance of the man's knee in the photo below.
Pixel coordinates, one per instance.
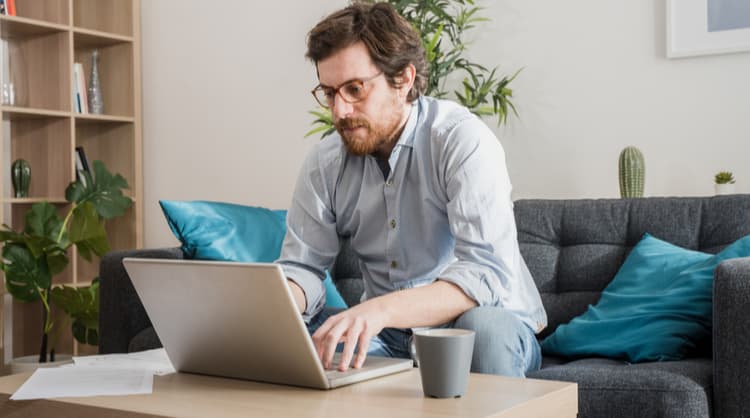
(489, 321)
(501, 342)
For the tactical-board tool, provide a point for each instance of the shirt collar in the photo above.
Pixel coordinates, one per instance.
(407, 136)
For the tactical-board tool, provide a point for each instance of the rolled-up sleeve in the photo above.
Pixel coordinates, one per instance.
(480, 213)
(311, 242)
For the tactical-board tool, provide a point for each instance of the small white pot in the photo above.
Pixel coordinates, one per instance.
(722, 189)
(31, 363)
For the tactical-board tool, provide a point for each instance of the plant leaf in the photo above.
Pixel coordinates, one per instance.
(25, 274)
(42, 220)
(104, 191)
(87, 231)
(82, 305)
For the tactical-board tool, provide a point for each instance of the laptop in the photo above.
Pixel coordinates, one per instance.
(237, 320)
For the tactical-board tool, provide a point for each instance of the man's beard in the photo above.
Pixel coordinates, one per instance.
(368, 139)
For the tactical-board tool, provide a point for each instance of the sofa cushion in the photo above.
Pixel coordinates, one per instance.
(658, 307)
(144, 340)
(574, 247)
(612, 388)
(231, 232)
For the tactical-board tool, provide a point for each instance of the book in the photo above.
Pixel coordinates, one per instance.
(79, 89)
(82, 165)
(10, 7)
(2, 7)
(82, 89)
(76, 100)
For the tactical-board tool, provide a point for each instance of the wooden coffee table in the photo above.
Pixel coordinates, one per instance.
(399, 395)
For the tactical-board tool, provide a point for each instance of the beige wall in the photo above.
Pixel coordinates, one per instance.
(226, 91)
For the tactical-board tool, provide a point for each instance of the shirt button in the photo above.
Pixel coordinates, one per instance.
(394, 264)
(393, 223)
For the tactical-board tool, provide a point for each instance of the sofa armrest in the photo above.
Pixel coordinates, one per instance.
(731, 338)
(121, 313)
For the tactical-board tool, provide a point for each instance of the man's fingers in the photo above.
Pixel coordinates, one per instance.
(330, 340)
(364, 345)
(350, 342)
(319, 336)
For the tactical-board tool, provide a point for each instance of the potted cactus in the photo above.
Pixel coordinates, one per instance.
(724, 182)
(632, 170)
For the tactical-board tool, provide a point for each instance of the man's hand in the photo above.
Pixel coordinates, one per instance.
(402, 309)
(353, 327)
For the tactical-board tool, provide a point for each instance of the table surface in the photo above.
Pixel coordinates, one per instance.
(398, 395)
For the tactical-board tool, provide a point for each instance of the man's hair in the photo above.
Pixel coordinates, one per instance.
(391, 40)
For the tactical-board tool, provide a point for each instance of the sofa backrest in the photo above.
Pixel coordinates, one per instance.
(574, 247)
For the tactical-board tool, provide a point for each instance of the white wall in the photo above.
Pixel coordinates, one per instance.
(226, 91)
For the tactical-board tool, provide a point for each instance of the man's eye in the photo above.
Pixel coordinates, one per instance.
(354, 90)
(329, 94)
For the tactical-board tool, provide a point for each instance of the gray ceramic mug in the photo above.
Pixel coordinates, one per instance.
(444, 357)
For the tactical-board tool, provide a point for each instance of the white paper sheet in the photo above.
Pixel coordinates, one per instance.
(153, 360)
(63, 382)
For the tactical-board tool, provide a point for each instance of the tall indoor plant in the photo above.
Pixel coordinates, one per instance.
(442, 25)
(32, 256)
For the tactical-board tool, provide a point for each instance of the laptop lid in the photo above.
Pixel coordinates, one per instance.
(235, 320)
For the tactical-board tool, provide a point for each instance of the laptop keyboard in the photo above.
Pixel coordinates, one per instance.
(334, 372)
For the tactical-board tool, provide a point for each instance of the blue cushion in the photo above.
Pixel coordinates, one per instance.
(231, 232)
(658, 306)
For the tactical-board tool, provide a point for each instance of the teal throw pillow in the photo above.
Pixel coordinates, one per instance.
(232, 232)
(658, 306)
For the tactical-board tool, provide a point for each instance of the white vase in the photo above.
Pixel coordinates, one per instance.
(722, 189)
(30, 363)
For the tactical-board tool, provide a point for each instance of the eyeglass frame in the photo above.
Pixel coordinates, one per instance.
(337, 90)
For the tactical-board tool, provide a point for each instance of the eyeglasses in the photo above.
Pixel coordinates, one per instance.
(352, 91)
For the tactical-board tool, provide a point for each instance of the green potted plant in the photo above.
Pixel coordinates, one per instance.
(724, 182)
(32, 256)
(442, 25)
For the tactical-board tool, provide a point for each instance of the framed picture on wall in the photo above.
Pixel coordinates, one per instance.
(702, 27)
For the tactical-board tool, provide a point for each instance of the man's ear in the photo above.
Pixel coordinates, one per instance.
(405, 79)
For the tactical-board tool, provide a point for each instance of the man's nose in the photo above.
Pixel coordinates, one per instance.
(341, 108)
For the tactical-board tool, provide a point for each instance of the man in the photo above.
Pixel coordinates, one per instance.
(420, 188)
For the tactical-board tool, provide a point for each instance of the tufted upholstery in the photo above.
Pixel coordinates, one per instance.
(575, 247)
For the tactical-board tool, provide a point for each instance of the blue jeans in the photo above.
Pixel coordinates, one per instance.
(503, 344)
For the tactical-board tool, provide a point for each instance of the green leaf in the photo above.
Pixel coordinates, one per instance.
(57, 260)
(82, 305)
(318, 130)
(42, 220)
(9, 235)
(324, 120)
(104, 191)
(25, 274)
(88, 232)
(84, 333)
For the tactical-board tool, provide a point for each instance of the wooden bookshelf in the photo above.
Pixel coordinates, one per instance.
(41, 44)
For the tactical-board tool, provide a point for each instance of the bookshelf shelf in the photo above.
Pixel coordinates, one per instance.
(86, 38)
(19, 113)
(29, 200)
(88, 118)
(13, 27)
(42, 43)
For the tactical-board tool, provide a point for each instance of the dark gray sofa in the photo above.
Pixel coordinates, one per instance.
(573, 249)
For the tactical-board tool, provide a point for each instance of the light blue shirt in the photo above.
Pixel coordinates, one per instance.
(444, 212)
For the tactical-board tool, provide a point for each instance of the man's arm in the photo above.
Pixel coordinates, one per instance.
(299, 296)
(434, 304)
(311, 242)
